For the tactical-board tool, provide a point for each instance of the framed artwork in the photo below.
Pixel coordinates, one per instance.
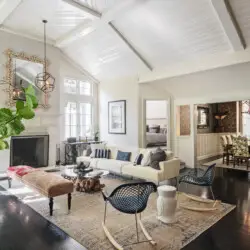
(117, 117)
(203, 117)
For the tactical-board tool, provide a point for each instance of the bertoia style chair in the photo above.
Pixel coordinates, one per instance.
(129, 198)
(200, 177)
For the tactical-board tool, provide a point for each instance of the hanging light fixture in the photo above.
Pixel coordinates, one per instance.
(17, 92)
(45, 81)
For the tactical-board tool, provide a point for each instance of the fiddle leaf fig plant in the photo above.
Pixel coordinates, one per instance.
(11, 119)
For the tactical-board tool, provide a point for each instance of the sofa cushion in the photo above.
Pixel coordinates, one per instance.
(138, 171)
(112, 165)
(138, 159)
(96, 146)
(123, 156)
(157, 156)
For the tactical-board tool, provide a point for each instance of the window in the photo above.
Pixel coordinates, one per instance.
(85, 88)
(70, 86)
(70, 120)
(79, 110)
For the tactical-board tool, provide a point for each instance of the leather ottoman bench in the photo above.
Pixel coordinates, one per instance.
(47, 184)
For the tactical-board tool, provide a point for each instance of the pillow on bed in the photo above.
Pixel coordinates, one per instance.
(154, 129)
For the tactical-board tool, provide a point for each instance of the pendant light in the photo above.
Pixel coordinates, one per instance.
(45, 81)
(17, 93)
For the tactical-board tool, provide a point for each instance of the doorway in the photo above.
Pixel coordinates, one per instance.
(156, 123)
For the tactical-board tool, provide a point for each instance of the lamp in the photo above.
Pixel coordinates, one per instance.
(45, 81)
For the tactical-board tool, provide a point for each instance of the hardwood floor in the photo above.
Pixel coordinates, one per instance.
(21, 228)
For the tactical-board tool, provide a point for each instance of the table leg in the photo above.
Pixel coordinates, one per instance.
(51, 202)
(69, 201)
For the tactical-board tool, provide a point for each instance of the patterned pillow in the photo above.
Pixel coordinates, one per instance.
(146, 159)
(138, 159)
(102, 153)
(123, 156)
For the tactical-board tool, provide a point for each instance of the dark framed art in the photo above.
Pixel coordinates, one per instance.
(117, 117)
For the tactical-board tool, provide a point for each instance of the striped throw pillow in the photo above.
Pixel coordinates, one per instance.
(102, 153)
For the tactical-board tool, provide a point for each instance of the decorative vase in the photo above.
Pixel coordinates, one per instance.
(166, 204)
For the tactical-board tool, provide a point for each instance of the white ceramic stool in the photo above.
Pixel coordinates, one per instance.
(166, 203)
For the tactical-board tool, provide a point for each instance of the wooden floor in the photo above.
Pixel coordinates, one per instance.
(21, 228)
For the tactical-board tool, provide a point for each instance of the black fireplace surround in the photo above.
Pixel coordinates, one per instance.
(30, 150)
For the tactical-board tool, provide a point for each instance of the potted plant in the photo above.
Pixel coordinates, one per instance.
(11, 119)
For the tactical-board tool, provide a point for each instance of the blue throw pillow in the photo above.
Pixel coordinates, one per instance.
(123, 156)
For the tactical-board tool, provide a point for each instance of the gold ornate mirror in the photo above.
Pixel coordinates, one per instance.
(21, 67)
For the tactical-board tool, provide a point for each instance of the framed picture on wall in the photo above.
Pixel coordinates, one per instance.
(117, 117)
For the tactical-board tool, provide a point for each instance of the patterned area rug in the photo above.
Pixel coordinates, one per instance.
(84, 221)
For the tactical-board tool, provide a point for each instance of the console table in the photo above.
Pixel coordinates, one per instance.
(74, 149)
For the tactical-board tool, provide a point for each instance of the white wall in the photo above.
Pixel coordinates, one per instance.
(46, 121)
(219, 85)
(121, 89)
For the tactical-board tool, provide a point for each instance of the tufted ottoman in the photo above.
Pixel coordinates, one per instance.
(49, 185)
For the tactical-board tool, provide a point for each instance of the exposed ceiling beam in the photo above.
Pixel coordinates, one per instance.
(84, 8)
(229, 24)
(32, 37)
(124, 39)
(77, 66)
(197, 64)
(7, 8)
(84, 29)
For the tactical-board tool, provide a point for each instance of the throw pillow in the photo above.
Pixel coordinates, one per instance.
(146, 159)
(157, 156)
(138, 159)
(123, 156)
(102, 153)
(94, 147)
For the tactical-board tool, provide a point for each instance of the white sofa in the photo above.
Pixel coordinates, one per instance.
(168, 169)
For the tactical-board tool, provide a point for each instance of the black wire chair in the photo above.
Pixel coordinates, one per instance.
(200, 177)
(130, 198)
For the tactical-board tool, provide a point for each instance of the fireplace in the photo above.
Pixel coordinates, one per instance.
(30, 150)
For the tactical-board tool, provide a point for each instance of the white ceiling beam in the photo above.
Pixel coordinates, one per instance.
(228, 22)
(124, 39)
(7, 8)
(85, 29)
(77, 66)
(25, 35)
(83, 7)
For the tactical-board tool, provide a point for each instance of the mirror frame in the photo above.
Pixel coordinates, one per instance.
(11, 55)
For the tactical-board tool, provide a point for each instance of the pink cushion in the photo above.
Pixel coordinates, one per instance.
(20, 171)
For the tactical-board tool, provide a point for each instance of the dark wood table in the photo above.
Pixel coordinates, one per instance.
(241, 158)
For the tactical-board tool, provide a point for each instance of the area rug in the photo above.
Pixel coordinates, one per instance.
(219, 164)
(84, 221)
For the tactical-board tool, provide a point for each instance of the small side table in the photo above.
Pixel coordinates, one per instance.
(5, 177)
(166, 203)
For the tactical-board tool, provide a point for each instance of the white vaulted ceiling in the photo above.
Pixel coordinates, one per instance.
(114, 38)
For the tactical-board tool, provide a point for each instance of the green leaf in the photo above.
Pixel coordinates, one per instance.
(30, 90)
(29, 102)
(3, 131)
(5, 115)
(26, 113)
(19, 105)
(33, 100)
(2, 145)
(15, 127)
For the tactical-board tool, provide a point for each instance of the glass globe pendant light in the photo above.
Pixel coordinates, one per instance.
(45, 81)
